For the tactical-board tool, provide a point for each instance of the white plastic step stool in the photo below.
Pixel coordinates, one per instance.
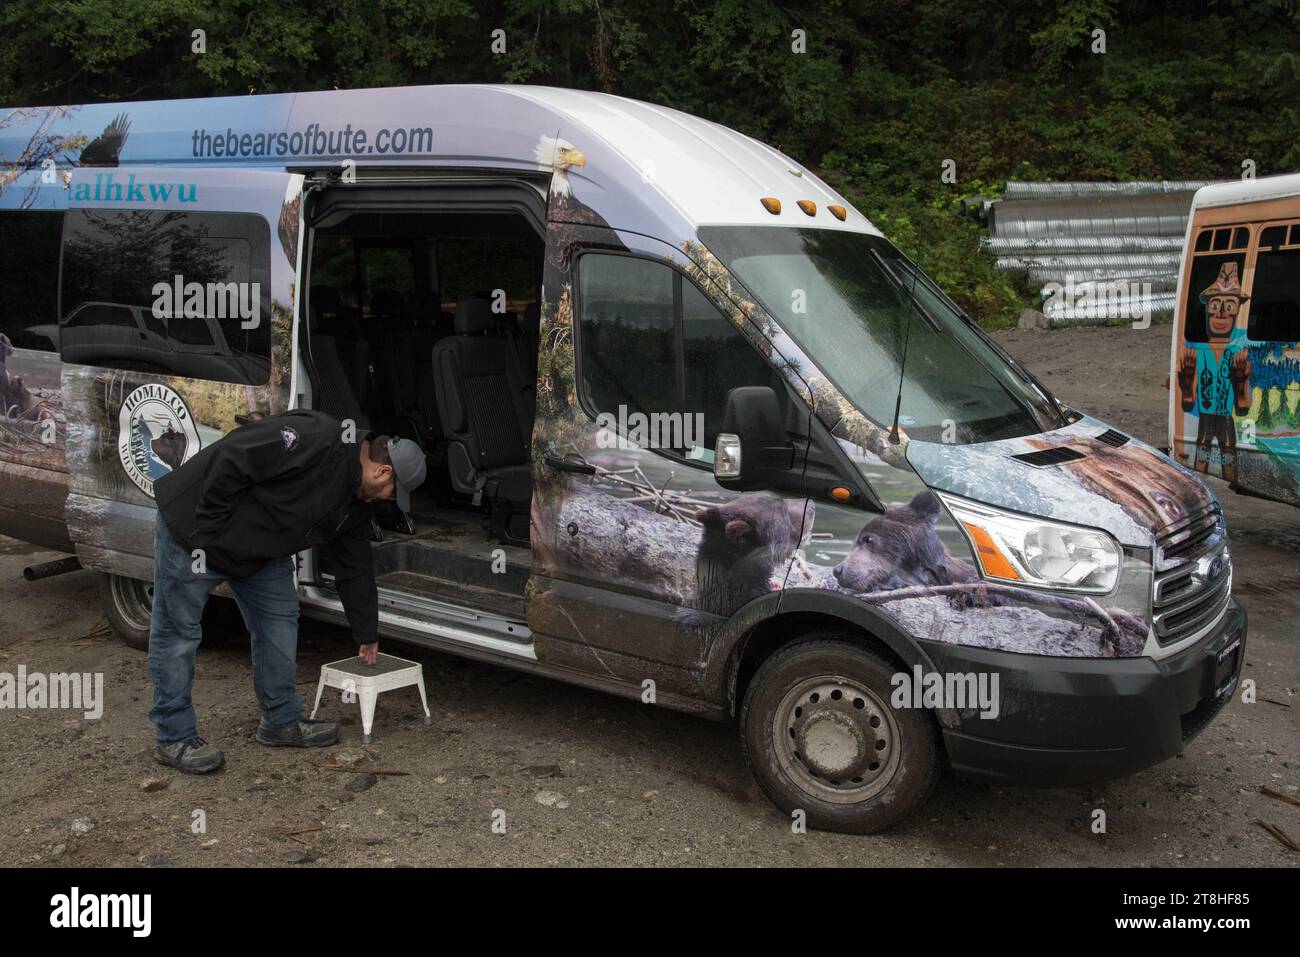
(367, 681)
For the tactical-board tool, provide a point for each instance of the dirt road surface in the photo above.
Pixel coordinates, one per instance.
(584, 778)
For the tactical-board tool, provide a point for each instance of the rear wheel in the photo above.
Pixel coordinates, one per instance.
(820, 736)
(128, 604)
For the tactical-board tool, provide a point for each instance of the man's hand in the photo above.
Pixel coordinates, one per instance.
(369, 652)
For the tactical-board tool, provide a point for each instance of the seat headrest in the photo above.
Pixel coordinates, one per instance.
(324, 309)
(386, 303)
(473, 315)
(423, 309)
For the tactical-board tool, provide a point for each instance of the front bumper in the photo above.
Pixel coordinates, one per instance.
(1065, 721)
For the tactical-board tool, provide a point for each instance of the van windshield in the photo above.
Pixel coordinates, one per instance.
(846, 300)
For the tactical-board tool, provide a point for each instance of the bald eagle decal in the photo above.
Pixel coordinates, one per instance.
(559, 156)
(105, 148)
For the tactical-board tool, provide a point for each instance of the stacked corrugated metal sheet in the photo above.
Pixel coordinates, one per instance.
(1115, 244)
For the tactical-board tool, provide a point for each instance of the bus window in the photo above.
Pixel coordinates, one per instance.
(1275, 297)
(118, 259)
(387, 272)
(29, 277)
(476, 266)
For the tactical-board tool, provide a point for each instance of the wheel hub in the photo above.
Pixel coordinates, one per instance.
(836, 738)
(831, 744)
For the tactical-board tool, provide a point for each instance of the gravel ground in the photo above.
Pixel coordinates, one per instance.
(584, 778)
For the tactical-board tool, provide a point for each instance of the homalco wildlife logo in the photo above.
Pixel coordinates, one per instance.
(157, 434)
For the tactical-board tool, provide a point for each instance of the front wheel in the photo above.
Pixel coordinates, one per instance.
(820, 736)
(128, 606)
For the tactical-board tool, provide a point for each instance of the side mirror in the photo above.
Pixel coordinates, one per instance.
(751, 448)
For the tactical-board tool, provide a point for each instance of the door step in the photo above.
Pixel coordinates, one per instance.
(488, 601)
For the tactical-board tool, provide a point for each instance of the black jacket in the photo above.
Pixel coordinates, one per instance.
(271, 489)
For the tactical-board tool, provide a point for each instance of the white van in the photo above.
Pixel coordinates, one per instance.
(698, 434)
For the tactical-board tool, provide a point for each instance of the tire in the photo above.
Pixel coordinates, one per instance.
(819, 735)
(127, 603)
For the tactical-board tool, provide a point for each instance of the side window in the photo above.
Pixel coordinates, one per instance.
(651, 342)
(718, 358)
(1275, 293)
(628, 335)
(388, 274)
(185, 293)
(474, 267)
(29, 278)
(334, 265)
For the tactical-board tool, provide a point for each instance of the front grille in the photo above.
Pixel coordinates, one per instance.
(1194, 584)
(1184, 539)
(1046, 457)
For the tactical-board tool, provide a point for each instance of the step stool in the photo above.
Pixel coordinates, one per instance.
(367, 681)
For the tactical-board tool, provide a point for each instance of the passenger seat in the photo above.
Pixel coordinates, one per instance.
(485, 420)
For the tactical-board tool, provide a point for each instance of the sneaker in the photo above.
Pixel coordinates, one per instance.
(302, 734)
(194, 756)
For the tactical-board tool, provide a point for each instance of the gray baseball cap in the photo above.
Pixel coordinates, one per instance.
(409, 468)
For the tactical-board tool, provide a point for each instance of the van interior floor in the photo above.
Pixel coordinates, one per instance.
(450, 559)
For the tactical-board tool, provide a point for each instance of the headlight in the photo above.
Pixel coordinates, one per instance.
(1031, 551)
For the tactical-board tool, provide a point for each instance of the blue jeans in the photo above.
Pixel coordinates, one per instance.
(269, 604)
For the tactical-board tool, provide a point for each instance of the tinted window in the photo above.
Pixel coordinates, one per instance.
(628, 335)
(333, 263)
(1275, 297)
(388, 274)
(29, 277)
(1273, 236)
(718, 358)
(119, 302)
(651, 342)
(471, 267)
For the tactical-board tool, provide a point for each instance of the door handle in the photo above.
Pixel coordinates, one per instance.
(565, 465)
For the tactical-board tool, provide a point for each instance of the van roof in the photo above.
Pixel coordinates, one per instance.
(622, 157)
(1247, 191)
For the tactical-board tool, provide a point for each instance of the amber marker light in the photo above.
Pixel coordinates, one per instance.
(992, 560)
(841, 494)
(839, 212)
(771, 204)
(808, 206)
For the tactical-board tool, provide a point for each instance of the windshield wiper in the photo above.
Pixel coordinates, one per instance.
(1020, 370)
(907, 335)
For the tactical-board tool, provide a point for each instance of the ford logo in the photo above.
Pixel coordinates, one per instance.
(1209, 570)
